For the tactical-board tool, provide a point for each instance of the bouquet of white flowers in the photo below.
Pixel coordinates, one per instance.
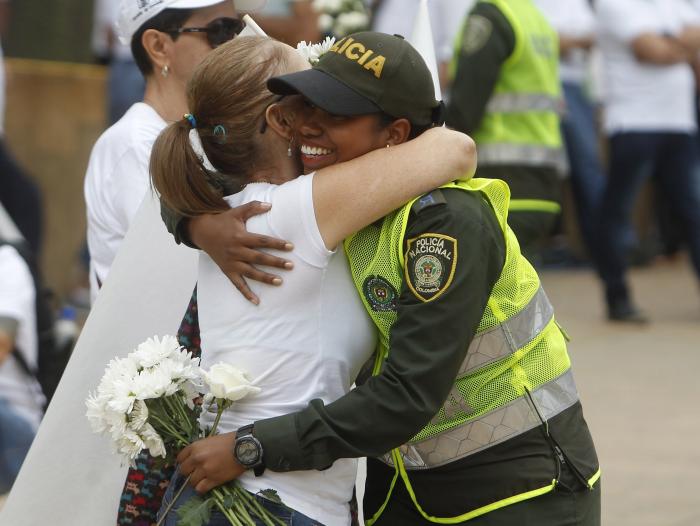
(341, 17)
(147, 401)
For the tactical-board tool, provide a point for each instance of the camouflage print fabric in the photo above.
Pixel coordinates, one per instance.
(146, 483)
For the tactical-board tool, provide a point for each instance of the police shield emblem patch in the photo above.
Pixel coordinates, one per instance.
(430, 265)
(380, 294)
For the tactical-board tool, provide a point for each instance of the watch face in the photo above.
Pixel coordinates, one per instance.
(247, 451)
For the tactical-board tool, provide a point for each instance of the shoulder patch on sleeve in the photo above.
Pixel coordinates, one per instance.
(431, 260)
(434, 198)
(477, 31)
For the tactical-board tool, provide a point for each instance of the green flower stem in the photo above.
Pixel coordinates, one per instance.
(219, 499)
(175, 404)
(265, 516)
(255, 507)
(185, 417)
(221, 405)
(242, 512)
(169, 428)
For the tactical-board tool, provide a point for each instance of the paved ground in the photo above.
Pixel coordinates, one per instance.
(640, 388)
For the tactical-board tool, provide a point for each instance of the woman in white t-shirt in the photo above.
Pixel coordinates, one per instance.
(308, 339)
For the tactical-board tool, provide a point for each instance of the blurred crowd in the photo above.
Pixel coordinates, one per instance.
(620, 111)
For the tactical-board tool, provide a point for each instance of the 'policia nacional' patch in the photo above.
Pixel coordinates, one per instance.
(380, 294)
(430, 265)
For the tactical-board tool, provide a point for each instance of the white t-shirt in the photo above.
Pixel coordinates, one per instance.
(17, 301)
(641, 96)
(307, 339)
(116, 181)
(573, 18)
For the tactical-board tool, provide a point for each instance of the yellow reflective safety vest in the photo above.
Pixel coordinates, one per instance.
(516, 366)
(521, 122)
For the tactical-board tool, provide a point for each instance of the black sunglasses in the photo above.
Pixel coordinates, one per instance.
(218, 31)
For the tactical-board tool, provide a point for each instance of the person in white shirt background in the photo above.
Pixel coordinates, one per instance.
(117, 175)
(648, 47)
(574, 21)
(21, 399)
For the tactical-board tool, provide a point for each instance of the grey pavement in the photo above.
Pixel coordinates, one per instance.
(640, 387)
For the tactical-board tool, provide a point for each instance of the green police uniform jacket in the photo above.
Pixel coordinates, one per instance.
(429, 342)
(487, 47)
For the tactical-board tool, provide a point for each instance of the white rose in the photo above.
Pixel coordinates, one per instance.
(228, 382)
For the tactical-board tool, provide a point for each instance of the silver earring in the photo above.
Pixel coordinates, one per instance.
(165, 71)
(289, 148)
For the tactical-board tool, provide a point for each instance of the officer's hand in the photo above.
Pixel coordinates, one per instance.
(225, 238)
(209, 462)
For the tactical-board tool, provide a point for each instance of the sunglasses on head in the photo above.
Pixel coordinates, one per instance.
(218, 31)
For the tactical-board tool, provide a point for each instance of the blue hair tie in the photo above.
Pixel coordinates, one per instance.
(191, 119)
(220, 134)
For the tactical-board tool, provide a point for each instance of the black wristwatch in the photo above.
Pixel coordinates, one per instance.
(248, 450)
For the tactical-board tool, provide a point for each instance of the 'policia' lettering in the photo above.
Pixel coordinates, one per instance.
(357, 52)
(430, 245)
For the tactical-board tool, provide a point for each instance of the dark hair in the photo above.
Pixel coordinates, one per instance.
(416, 129)
(166, 20)
(228, 91)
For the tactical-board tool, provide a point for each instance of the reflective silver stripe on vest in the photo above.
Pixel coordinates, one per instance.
(511, 335)
(523, 102)
(492, 428)
(523, 154)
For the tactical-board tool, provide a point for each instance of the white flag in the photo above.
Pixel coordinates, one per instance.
(422, 40)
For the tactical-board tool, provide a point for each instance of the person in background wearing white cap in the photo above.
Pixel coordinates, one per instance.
(168, 40)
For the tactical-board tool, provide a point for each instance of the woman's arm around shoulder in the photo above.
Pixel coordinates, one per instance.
(351, 195)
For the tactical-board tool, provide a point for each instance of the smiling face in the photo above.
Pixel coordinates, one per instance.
(324, 139)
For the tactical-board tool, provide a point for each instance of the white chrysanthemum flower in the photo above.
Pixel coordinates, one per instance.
(154, 350)
(138, 416)
(121, 395)
(228, 382)
(129, 445)
(153, 383)
(96, 409)
(153, 441)
(181, 371)
(118, 369)
(313, 52)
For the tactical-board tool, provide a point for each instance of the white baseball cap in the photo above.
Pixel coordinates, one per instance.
(134, 13)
